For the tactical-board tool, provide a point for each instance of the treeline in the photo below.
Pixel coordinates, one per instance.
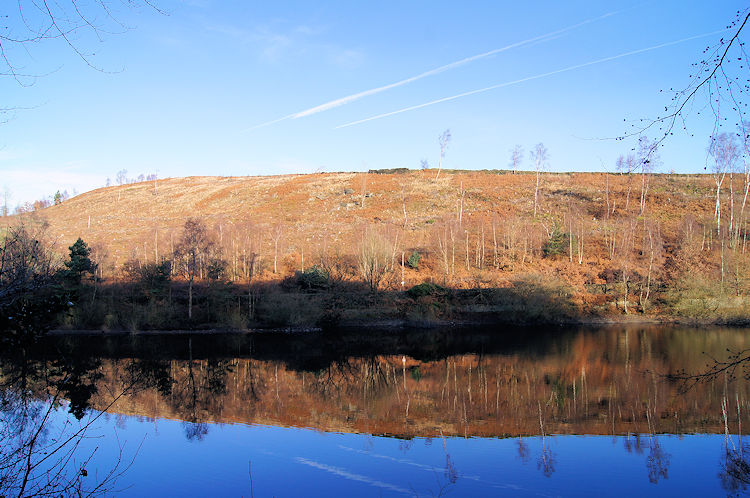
(486, 270)
(36, 289)
(32, 206)
(122, 178)
(61, 196)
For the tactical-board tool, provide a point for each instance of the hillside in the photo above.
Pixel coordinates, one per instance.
(472, 230)
(312, 209)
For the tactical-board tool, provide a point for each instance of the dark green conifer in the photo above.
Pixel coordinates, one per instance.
(79, 263)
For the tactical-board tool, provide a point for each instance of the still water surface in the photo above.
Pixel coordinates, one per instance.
(511, 412)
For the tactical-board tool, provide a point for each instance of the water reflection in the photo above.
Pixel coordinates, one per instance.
(583, 383)
(39, 450)
(433, 386)
(734, 467)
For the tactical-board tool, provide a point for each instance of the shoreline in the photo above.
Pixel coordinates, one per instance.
(399, 325)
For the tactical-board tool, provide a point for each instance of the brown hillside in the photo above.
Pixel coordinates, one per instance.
(315, 207)
(473, 229)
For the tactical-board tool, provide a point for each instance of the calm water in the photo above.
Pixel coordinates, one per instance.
(462, 413)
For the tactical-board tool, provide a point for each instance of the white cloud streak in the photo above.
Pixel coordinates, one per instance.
(447, 67)
(337, 471)
(528, 78)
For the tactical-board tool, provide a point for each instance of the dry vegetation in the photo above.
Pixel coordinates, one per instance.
(590, 242)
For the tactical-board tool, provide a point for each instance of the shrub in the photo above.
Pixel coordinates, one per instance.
(413, 261)
(312, 279)
(389, 171)
(425, 289)
(700, 298)
(153, 279)
(373, 258)
(288, 310)
(557, 243)
(216, 268)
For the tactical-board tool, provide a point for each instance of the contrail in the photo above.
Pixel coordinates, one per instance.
(351, 98)
(268, 123)
(529, 78)
(452, 65)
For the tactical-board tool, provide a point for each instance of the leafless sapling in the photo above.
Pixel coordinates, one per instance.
(723, 149)
(540, 158)
(516, 158)
(443, 140)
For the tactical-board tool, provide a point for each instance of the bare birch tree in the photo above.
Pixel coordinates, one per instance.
(516, 158)
(648, 160)
(443, 140)
(276, 233)
(725, 153)
(190, 251)
(745, 142)
(540, 157)
(627, 165)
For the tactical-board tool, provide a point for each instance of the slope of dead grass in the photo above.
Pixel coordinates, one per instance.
(330, 211)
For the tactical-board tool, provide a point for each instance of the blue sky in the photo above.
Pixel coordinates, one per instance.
(221, 88)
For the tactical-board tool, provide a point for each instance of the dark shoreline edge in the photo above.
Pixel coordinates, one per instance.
(399, 325)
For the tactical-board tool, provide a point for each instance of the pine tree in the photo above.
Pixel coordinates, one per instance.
(79, 263)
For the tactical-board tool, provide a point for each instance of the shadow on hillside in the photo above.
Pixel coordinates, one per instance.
(302, 304)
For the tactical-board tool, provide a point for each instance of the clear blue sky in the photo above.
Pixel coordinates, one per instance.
(184, 93)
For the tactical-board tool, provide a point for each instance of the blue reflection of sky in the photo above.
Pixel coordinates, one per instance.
(304, 462)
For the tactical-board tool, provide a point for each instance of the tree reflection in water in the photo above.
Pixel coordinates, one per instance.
(523, 450)
(734, 469)
(198, 392)
(40, 452)
(195, 431)
(546, 462)
(657, 462)
(582, 383)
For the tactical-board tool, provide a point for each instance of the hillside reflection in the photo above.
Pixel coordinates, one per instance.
(567, 382)
(525, 386)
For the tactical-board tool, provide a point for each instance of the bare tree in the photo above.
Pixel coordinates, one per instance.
(122, 177)
(364, 189)
(652, 248)
(193, 245)
(154, 177)
(540, 157)
(516, 158)
(445, 241)
(627, 165)
(276, 234)
(6, 199)
(648, 159)
(725, 152)
(38, 455)
(443, 140)
(373, 257)
(461, 194)
(745, 142)
(718, 84)
(403, 205)
(70, 22)
(26, 263)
